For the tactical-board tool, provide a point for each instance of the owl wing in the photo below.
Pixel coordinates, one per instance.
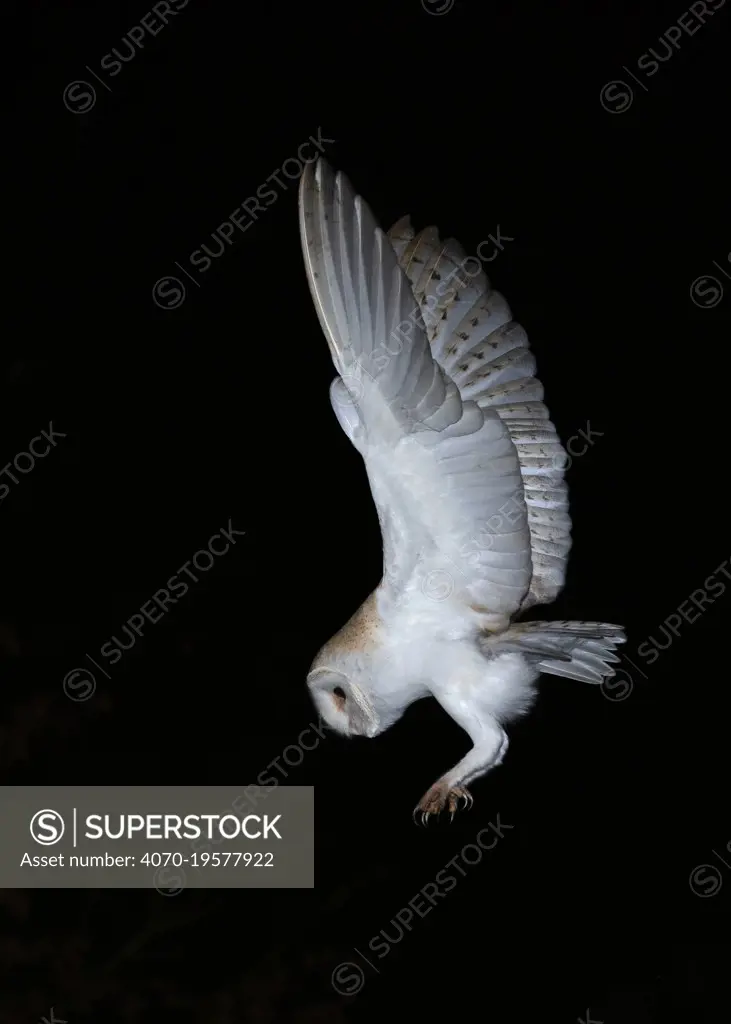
(444, 473)
(475, 340)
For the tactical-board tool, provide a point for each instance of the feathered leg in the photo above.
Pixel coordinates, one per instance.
(490, 746)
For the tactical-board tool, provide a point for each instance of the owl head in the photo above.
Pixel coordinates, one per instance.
(345, 706)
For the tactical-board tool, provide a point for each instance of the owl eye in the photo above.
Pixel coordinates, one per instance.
(339, 697)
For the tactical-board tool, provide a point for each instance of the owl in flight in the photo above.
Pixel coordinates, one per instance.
(436, 390)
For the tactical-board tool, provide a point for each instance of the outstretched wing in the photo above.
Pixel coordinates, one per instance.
(474, 338)
(442, 471)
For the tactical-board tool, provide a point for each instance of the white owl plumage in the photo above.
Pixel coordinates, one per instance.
(436, 390)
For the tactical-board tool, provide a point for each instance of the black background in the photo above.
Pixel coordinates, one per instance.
(179, 420)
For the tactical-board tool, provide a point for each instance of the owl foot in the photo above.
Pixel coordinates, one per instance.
(441, 795)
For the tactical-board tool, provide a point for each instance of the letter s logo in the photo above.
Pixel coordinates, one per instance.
(47, 827)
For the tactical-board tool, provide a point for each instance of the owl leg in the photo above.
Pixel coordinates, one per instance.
(490, 746)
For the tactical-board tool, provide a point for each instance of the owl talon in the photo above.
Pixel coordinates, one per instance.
(440, 796)
(456, 795)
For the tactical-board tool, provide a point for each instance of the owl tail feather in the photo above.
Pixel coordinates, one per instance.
(584, 651)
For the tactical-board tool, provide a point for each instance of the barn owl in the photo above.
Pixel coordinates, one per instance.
(436, 390)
